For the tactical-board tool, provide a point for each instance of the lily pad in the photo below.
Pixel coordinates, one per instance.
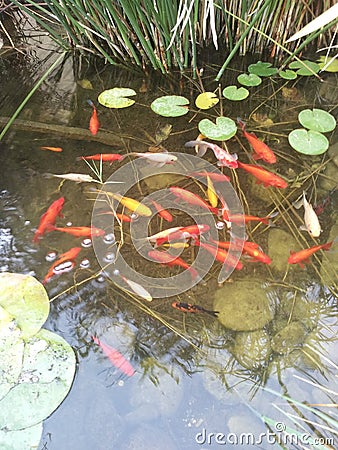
(24, 298)
(262, 69)
(328, 64)
(170, 106)
(224, 129)
(288, 74)
(206, 100)
(116, 97)
(234, 93)
(46, 376)
(249, 79)
(305, 68)
(317, 120)
(28, 438)
(308, 142)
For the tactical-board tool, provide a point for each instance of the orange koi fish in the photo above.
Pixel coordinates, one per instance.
(105, 157)
(264, 176)
(70, 255)
(221, 255)
(94, 123)
(179, 233)
(88, 232)
(303, 256)
(52, 149)
(169, 260)
(188, 307)
(225, 159)
(262, 151)
(115, 357)
(239, 218)
(216, 177)
(120, 216)
(48, 219)
(250, 248)
(191, 198)
(162, 212)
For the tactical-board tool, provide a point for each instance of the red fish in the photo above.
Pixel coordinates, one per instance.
(262, 151)
(264, 176)
(105, 157)
(303, 256)
(221, 255)
(162, 212)
(115, 357)
(169, 260)
(191, 198)
(70, 255)
(188, 307)
(216, 177)
(48, 219)
(179, 233)
(120, 216)
(94, 123)
(88, 232)
(52, 149)
(251, 248)
(239, 218)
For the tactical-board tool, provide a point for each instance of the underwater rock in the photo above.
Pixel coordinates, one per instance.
(289, 338)
(267, 195)
(161, 180)
(148, 438)
(279, 244)
(243, 306)
(329, 265)
(329, 179)
(252, 349)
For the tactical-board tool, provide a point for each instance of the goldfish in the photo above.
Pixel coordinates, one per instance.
(178, 233)
(303, 256)
(191, 198)
(105, 157)
(264, 176)
(216, 177)
(94, 123)
(239, 218)
(70, 255)
(120, 216)
(157, 159)
(221, 255)
(311, 221)
(88, 232)
(115, 357)
(162, 212)
(77, 177)
(132, 204)
(137, 289)
(47, 220)
(165, 258)
(262, 151)
(188, 307)
(224, 158)
(211, 193)
(251, 248)
(52, 149)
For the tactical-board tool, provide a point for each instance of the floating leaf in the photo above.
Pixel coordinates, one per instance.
(308, 142)
(28, 438)
(305, 68)
(328, 64)
(288, 74)
(24, 298)
(85, 84)
(206, 100)
(234, 93)
(116, 97)
(317, 120)
(170, 106)
(262, 69)
(249, 79)
(224, 129)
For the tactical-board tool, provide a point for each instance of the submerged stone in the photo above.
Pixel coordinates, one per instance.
(289, 338)
(243, 306)
(252, 348)
(280, 243)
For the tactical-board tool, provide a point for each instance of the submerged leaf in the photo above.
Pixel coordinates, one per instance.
(234, 93)
(224, 129)
(308, 142)
(116, 97)
(250, 79)
(170, 106)
(317, 120)
(206, 100)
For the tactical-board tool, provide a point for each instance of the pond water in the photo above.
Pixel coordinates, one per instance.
(200, 381)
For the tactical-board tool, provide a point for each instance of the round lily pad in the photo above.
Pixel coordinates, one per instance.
(262, 69)
(234, 93)
(308, 142)
(249, 79)
(288, 74)
(116, 97)
(317, 120)
(224, 129)
(170, 106)
(206, 100)
(328, 63)
(27, 438)
(305, 68)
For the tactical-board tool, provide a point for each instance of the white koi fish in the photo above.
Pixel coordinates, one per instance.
(77, 177)
(157, 159)
(312, 225)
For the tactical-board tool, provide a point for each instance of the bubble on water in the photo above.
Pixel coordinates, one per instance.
(86, 243)
(69, 224)
(116, 272)
(27, 222)
(51, 256)
(67, 266)
(220, 225)
(109, 238)
(85, 263)
(134, 217)
(110, 257)
(101, 278)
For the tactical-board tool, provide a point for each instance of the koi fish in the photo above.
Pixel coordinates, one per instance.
(216, 177)
(116, 358)
(105, 157)
(179, 233)
(77, 177)
(47, 220)
(157, 159)
(239, 218)
(162, 212)
(191, 198)
(94, 123)
(52, 149)
(169, 260)
(137, 289)
(221, 255)
(250, 248)
(189, 308)
(88, 232)
(120, 216)
(312, 225)
(58, 269)
(224, 158)
(264, 176)
(132, 204)
(70, 255)
(262, 151)
(212, 196)
(303, 256)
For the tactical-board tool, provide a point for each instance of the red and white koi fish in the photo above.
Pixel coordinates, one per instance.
(161, 211)
(191, 198)
(179, 233)
(48, 219)
(224, 158)
(88, 232)
(250, 248)
(94, 123)
(169, 260)
(262, 151)
(70, 255)
(189, 308)
(303, 256)
(215, 177)
(221, 255)
(104, 157)
(157, 159)
(264, 176)
(116, 358)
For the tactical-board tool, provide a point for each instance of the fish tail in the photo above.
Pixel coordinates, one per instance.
(90, 103)
(211, 313)
(241, 123)
(327, 246)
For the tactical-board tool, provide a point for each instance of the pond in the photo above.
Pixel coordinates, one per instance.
(200, 380)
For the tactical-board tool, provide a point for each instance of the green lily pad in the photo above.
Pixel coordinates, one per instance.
(288, 74)
(170, 106)
(28, 438)
(306, 70)
(206, 100)
(308, 142)
(234, 93)
(45, 378)
(25, 299)
(116, 97)
(224, 129)
(249, 79)
(262, 69)
(317, 120)
(328, 63)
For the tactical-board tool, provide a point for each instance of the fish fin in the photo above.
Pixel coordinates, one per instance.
(327, 246)
(255, 156)
(90, 103)
(241, 123)
(303, 228)
(48, 175)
